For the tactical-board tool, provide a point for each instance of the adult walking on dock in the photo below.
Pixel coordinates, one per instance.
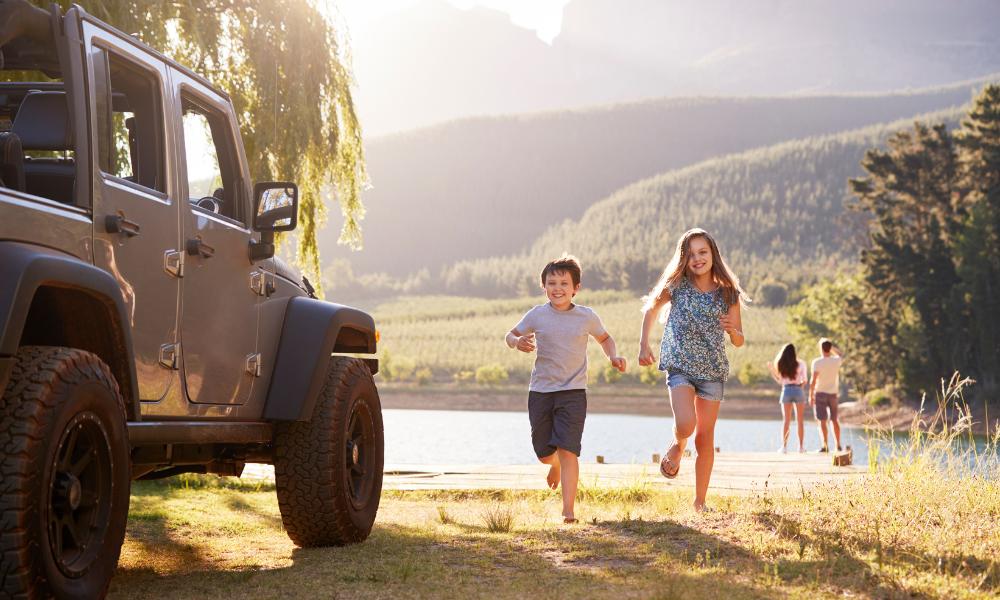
(824, 390)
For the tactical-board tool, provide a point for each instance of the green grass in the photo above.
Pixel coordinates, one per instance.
(923, 523)
(892, 535)
(449, 335)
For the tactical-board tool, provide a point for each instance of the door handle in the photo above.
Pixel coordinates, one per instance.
(119, 224)
(196, 247)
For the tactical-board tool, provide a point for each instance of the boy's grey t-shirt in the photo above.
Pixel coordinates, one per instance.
(560, 345)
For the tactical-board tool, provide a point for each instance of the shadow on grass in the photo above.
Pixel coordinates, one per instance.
(403, 561)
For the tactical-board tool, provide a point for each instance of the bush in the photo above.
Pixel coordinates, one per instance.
(650, 375)
(751, 374)
(773, 293)
(397, 369)
(463, 376)
(609, 374)
(491, 375)
(879, 397)
(423, 376)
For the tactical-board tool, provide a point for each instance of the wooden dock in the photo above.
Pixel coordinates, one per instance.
(734, 473)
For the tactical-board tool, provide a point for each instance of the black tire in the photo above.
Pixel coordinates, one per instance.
(64, 475)
(328, 471)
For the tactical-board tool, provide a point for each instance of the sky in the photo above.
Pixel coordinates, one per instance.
(544, 17)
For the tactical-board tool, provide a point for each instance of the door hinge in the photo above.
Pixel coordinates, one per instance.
(262, 283)
(173, 262)
(169, 354)
(257, 282)
(254, 364)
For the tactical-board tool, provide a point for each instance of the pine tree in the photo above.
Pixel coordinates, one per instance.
(979, 238)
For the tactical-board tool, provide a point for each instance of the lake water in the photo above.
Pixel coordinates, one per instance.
(486, 437)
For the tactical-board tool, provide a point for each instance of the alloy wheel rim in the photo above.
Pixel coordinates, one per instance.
(360, 455)
(78, 493)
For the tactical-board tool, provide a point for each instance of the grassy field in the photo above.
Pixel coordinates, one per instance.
(908, 530)
(446, 336)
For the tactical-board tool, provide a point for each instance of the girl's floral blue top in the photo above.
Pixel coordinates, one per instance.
(693, 341)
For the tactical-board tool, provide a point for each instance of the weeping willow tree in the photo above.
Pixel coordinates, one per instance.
(283, 65)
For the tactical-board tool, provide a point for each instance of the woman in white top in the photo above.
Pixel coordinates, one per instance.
(791, 374)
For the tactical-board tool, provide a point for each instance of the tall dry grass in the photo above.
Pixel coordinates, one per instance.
(930, 505)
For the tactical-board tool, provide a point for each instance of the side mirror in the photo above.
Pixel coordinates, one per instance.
(277, 206)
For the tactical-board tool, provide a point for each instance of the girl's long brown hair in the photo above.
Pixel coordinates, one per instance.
(787, 362)
(676, 268)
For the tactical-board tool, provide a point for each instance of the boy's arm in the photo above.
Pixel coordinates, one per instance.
(812, 385)
(611, 351)
(524, 343)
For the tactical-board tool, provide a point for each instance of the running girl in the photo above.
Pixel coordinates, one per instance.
(790, 373)
(704, 298)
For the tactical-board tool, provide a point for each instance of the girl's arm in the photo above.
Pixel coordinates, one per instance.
(648, 319)
(732, 324)
(775, 375)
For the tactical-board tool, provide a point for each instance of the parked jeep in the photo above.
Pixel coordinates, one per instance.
(146, 327)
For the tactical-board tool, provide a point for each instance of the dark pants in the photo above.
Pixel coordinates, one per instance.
(557, 420)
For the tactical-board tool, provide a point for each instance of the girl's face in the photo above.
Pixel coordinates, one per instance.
(560, 289)
(699, 257)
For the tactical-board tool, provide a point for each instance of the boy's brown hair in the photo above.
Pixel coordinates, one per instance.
(565, 264)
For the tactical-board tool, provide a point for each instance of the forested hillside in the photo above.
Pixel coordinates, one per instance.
(490, 186)
(778, 213)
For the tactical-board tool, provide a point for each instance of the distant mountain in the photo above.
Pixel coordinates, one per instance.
(432, 62)
(778, 213)
(490, 186)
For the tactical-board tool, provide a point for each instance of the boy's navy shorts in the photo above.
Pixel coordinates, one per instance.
(557, 420)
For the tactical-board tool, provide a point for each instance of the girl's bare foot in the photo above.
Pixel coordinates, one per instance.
(569, 520)
(699, 506)
(553, 477)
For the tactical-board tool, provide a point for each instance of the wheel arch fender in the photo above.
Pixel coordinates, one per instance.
(30, 275)
(311, 332)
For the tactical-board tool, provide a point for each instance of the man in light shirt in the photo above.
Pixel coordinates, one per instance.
(824, 390)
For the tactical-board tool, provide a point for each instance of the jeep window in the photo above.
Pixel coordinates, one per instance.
(211, 162)
(129, 121)
(36, 139)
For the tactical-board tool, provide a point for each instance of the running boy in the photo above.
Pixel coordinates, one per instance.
(557, 394)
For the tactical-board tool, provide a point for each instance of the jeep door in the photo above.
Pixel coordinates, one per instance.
(136, 216)
(219, 306)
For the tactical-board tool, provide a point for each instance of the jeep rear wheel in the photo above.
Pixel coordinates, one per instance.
(64, 475)
(328, 471)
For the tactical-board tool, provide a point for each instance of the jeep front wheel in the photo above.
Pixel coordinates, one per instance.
(64, 475)
(328, 471)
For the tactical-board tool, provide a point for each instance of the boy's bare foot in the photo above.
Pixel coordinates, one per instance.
(570, 520)
(700, 507)
(553, 477)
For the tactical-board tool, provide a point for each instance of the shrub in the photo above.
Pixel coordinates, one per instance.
(423, 376)
(650, 375)
(879, 397)
(751, 374)
(463, 376)
(491, 375)
(610, 374)
(398, 368)
(773, 293)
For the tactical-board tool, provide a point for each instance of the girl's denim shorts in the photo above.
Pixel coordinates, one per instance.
(703, 388)
(792, 394)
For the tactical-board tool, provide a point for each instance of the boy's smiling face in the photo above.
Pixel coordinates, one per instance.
(560, 289)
